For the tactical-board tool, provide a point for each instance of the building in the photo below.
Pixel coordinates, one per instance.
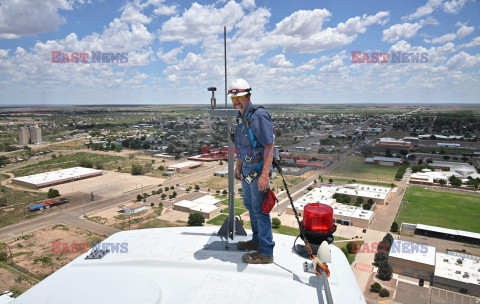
(459, 170)
(394, 143)
(342, 214)
(23, 136)
(412, 259)
(458, 273)
(35, 135)
(29, 135)
(384, 161)
(52, 178)
(207, 205)
(134, 208)
(185, 166)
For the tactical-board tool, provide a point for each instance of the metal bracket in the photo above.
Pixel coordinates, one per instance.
(97, 254)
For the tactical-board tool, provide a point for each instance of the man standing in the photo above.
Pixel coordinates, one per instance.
(254, 146)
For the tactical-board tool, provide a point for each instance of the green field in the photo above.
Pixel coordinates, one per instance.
(17, 202)
(355, 167)
(441, 208)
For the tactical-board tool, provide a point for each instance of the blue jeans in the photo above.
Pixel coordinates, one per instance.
(261, 222)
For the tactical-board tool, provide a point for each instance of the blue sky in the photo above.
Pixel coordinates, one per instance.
(289, 51)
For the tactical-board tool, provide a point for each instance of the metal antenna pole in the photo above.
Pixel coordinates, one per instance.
(225, 51)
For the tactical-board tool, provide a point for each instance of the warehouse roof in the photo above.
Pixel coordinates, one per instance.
(53, 176)
(457, 268)
(415, 252)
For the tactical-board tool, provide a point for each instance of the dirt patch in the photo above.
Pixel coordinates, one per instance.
(42, 252)
(373, 296)
(115, 217)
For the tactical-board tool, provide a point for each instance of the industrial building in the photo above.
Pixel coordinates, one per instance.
(134, 208)
(452, 270)
(458, 273)
(412, 259)
(30, 135)
(394, 143)
(342, 214)
(384, 161)
(48, 179)
(207, 205)
(430, 178)
(185, 166)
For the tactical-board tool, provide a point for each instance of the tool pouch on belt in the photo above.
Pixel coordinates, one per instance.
(269, 201)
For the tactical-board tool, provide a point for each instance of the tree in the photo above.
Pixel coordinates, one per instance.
(195, 219)
(197, 187)
(174, 194)
(384, 293)
(166, 189)
(160, 204)
(388, 238)
(3, 256)
(380, 257)
(152, 204)
(172, 187)
(164, 196)
(137, 169)
(330, 180)
(139, 197)
(224, 192)
(385, 271)
(276, 223)
(309, 188)
(349, 247)
(394, 227)
(52, 193)
(375, 287)
(3, 160)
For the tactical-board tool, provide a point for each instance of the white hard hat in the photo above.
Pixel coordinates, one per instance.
(239, 87)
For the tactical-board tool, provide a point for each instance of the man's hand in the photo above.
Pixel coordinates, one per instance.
(263, 182)
(237, 172)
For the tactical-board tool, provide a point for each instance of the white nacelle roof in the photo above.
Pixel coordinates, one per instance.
(191, 265)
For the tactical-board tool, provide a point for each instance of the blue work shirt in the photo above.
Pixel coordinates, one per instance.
(262, 127)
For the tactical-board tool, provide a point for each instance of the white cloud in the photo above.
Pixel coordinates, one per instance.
(133, 14)
(302, 24)
(332, 67)
(279, 61)
(248, 3)
(442, 39)
(169, 57)
(427, 9)
(464, 31)
(395, 32)
(165, 10)
(29, 17)
(3, 53)
(463, 60)
(473, 43)
(199, 21)
(301, 32)
(453, 6)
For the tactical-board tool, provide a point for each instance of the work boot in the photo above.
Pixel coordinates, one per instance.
(249, 245)
(257, 258)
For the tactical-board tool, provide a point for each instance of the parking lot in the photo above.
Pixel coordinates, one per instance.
(442, 296)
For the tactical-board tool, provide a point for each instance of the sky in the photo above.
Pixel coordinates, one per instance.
(288, 51)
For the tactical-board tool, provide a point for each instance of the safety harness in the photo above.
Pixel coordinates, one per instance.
(255, 172)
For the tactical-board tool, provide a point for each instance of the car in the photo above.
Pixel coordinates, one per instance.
(364, 230)
(63, 200)
(159, 185)
(8, 293)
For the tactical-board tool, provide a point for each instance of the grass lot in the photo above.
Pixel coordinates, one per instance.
(109, 162)
(214, 183)
(291, 181)
(447, 150)
(238, 211)
(441, 208)
(159, 223)
(69, 145)
(351, 256)
(218, 220)
(355, 167)
(17, 203)
(325, 179)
